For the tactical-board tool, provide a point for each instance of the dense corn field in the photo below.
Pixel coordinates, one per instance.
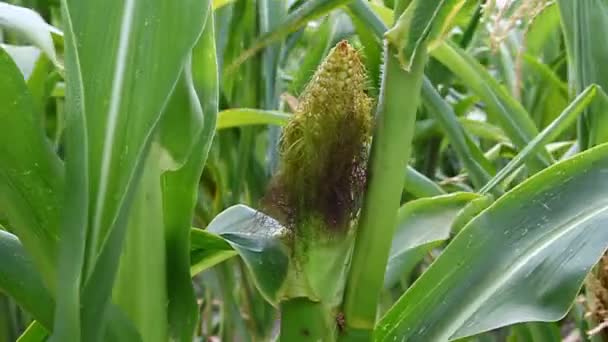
(303, 170)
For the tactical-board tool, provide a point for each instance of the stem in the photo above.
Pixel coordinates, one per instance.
(399, 99)
(304, 320)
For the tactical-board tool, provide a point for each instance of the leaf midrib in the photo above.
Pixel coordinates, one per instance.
(112, 121)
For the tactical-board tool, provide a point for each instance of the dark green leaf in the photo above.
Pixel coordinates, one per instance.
(19, 279)
(584, 23)
(257, 239)
(501, 107)
(31, 175)
(422, 22)
(522, 259)
(479, 168)
(422, 225)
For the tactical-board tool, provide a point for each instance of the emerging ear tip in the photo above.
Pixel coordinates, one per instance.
(322, 169)
(343, 45)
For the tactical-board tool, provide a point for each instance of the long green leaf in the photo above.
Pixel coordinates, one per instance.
(422, 225)
(113, 103)
(19, 279)
(584, 23)
(140, 288)
(271, 13)
(422, 22)
(522, 259)
(479, 168)
(308, 11)
(501, 107)
(562, 122)
(73, 231)
(236, 117)
(31, 174)
(180, 186)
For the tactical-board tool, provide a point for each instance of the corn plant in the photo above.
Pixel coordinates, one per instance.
(321, 170)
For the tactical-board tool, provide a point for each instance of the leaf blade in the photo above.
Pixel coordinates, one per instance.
(31, 174)
(114, 105)
(421, 224)
(523, 253)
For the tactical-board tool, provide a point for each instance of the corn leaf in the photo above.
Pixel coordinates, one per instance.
(502, 267)
(296, 19)
(145, 306)
(236, 117)
(180, 184)
(562, 122)
(113, 106)
(501, 107)
(258, 240)
(31, 174)
(422, 225)
(479, 168)
(583, 24)
(423, 21)
(20, 280)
